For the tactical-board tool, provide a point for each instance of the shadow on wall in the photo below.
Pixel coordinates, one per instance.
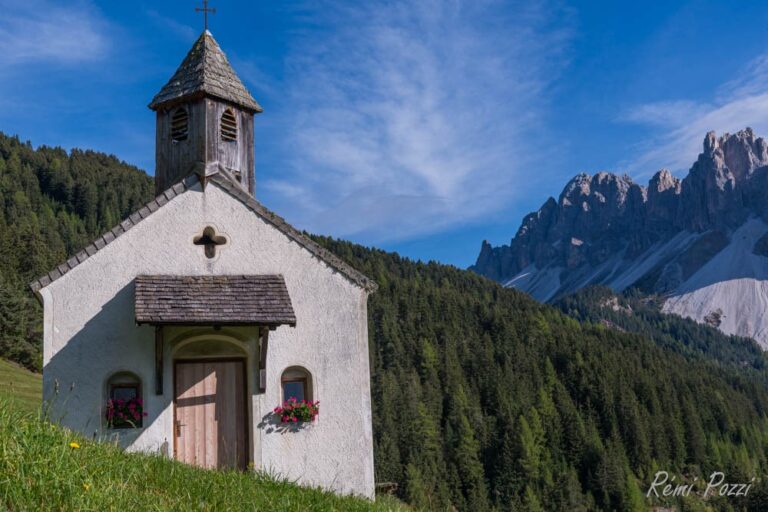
(272, 424)
(75, 379)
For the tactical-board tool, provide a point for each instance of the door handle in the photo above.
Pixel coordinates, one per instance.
(178, 427)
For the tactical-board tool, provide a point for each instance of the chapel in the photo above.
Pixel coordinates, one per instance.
(187, 328)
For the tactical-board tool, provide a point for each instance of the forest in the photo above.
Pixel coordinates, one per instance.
(483, 398)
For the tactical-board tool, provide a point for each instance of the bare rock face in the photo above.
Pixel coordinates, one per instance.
(719, 189)
(606, 229)
(663, 198)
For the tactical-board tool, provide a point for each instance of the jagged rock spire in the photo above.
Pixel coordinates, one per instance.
(205, 71)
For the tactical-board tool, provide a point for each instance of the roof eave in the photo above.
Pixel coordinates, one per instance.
(230, 323)
(330, 259)
(284, 227)
(106, 238)
(156, 105)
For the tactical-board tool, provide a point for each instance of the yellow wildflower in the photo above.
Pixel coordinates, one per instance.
(74, 445)
(86, 486)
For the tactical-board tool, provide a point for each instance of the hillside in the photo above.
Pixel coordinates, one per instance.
(633, 312)
(483, 398)
(701, 243)
(42, 469)
(20, 387)
(52, 203)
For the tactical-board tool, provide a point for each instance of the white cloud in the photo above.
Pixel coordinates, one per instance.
(40, 30)
(182, 31)
(738, 103)
(666, 113)
(410, 116)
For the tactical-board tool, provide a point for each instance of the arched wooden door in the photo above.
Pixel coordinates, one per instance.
(210, 415)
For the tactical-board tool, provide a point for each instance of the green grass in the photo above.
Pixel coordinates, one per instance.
(39, 470)
(20, 386)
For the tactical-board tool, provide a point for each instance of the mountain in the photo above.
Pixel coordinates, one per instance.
(635, 313)
(700, 243)
(483, 399)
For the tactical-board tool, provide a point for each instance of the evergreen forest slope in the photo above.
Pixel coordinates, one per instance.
(483, 398)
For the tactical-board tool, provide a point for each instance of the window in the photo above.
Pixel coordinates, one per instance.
(210, 240)
(296, 383)
(179, 124)
(228, 126)
(125, 407)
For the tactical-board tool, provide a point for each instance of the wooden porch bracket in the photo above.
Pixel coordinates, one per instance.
(158, 360)
(263, 346)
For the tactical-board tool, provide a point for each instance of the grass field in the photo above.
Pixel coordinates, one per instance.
(41, 469)
(20, 387)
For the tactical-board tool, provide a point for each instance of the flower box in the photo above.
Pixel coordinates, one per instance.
(294, 411)
(125, 413)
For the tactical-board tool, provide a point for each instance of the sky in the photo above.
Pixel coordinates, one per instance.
(418, 126)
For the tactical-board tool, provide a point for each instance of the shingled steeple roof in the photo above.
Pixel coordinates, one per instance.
(205, 71)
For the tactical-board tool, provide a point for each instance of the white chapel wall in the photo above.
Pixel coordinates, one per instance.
(90, 333)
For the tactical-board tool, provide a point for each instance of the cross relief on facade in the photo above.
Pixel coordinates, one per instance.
(210, 240)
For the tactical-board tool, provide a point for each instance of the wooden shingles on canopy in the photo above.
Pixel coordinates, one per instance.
(213, 300)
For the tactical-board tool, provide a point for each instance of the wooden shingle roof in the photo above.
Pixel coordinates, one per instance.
(205, 71)
(220, 300)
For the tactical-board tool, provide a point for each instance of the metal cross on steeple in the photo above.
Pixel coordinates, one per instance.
(205, 10)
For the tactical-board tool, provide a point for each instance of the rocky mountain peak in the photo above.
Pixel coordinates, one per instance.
(734, 156)
(610, 214)
(663, 181)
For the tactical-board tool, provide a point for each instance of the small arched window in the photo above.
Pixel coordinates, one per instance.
(179, 124)
(296, 383)
(228, 126)
(125, 406)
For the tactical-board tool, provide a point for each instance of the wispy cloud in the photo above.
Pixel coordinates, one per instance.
(737, 103)
(182, 31)
(411, 116)
(41, 30)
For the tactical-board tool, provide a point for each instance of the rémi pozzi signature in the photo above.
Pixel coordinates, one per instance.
(664, 486)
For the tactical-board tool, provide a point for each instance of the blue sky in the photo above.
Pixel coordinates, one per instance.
(418, 126)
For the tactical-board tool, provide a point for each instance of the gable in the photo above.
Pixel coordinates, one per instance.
(322, 254)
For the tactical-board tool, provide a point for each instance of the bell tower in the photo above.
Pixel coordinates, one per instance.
(204, 121)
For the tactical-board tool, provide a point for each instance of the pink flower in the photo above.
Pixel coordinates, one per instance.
(295, 419)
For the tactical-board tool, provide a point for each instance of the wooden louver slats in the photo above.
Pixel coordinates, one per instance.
(180, 124)
(228, 125)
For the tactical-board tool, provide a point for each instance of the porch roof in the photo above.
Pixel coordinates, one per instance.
(213, 300)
